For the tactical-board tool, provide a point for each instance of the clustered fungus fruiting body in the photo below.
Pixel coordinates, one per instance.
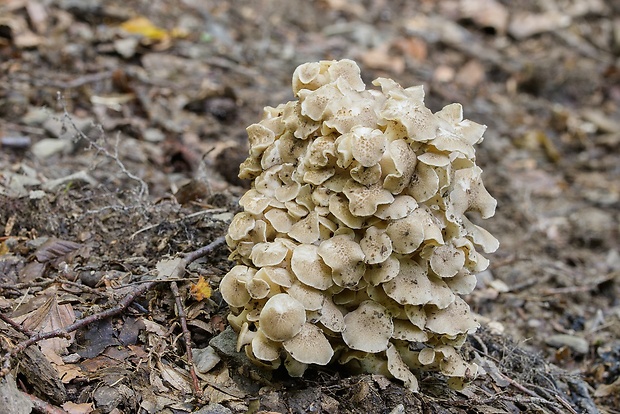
(353, 244)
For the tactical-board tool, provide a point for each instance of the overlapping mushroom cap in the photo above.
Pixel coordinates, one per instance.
(353, 244)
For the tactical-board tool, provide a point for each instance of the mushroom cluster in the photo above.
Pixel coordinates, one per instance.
(353, 244)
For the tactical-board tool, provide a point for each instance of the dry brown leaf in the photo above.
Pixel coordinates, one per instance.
(154, 327)
(73, 408)
(606, 390)
(55, 250)
(69, 372)
(174, 377)
(49, 317)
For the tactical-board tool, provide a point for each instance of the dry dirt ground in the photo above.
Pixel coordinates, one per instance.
(122, 125)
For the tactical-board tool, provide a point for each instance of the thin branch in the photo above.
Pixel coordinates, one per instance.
(120, 307)
(16, 325)
(189, 216)
(203, 251)
(187, 338)
(42, 406)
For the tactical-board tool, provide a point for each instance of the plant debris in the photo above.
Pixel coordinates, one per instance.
(122, 126)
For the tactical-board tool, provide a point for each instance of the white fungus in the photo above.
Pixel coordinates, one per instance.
(353, 245)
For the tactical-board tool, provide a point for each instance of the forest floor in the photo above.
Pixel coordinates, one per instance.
(122, 126)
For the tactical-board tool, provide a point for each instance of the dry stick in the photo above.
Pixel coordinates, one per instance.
(189, 258)
(122, 305)
(42, 406)
(197, 254)
(187, 338)
(16, 325)
(566, 404)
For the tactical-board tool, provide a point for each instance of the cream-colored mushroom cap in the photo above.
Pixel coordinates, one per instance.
(413, 286)
(339, 207)
(426, 356)
(377, 294)
(416, 315)
(402, 206)
(331, 316)
(268, 254)
(376, 245)
(407, 234)
(424, 182)
(258, 288)
(368, 328)
(406, 331)
(463, 283)
(447, 260)
(347, 71)
(311, 298)
(241, 225)
(278, 275)
(232, 286)
(368, 145)
(480, 236)
(340, 252)
(260, 138)
(398, 164)
(399, 369)
(366, 176)
(306, 230)
(254, 202)
(470, 194)
(310, 346)
(434, 159)
(264, 348)
(305, 74)
(379, 273)
(344, 256)
(407, 109)
(309, 268)
(280, 220)
(364, 200)
(282, 317)
(453, 320)
(452, 363)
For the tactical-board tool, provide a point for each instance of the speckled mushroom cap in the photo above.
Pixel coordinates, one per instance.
(354, 239)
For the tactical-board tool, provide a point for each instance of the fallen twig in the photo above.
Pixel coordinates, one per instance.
(198, 213)
(197, 254)
(121, 306)
(42, 406)
(187, 338)
(16, 325)
(189, 258)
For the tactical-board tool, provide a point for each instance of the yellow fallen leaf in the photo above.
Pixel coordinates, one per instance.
(144, 27)
(201, 290)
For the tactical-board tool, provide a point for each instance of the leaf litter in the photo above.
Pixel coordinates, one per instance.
(134, 164)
